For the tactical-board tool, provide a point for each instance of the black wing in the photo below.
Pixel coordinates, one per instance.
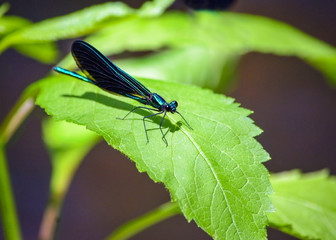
(104, 73)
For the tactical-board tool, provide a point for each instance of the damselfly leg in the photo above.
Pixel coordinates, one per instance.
(153, 109)
(152, 115)
(160, 125)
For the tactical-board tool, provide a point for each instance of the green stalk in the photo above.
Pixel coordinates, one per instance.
(7, 206)
(13, 120)
(51, 218)
(18, 114)
(137, 225)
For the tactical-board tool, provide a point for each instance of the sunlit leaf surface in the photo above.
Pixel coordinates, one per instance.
(214, 172)
(305, 204)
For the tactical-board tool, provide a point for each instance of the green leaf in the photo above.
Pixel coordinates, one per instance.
(80, 23)
(192, 65)
(4, 8)
(141, 223)
(305, 204)
(226, 33)
(214, 172)
(67, 144)
(154, 8)
(11, 23)
(43, 52)
(68, 26)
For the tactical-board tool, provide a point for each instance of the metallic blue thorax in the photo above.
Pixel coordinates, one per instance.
(157, 101)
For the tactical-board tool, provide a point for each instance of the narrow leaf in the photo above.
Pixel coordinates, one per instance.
(141, 223)
(80, 23)
(11, 23)
(71, 25)
(4, 8)
(67, 145)
(304, 204)
(215, 172)
(227, 33)
(46, 52)
(191, 65)
(154, 8)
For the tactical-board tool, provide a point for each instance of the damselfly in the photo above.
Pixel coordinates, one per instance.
(100, 71)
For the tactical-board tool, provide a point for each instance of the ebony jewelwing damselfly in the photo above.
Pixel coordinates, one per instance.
(100, 71)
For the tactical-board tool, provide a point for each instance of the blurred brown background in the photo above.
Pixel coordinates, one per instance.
(292, 102)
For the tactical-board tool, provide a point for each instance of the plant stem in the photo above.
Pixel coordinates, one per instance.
(18, 114)
(50, 221)
(7, 206)
(137, 225)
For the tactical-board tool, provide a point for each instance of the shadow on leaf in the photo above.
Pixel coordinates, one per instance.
(114, 103)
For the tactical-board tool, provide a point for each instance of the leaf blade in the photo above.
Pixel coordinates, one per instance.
(80, 22)
(67, 145)
(227, 33)
(222, 186)
(305, 204)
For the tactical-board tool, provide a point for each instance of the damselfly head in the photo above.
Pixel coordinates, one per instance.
(171, 107)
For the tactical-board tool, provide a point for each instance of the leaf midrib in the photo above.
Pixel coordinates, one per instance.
(213, 173)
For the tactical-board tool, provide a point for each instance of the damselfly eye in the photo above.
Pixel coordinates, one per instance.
(172, 107)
